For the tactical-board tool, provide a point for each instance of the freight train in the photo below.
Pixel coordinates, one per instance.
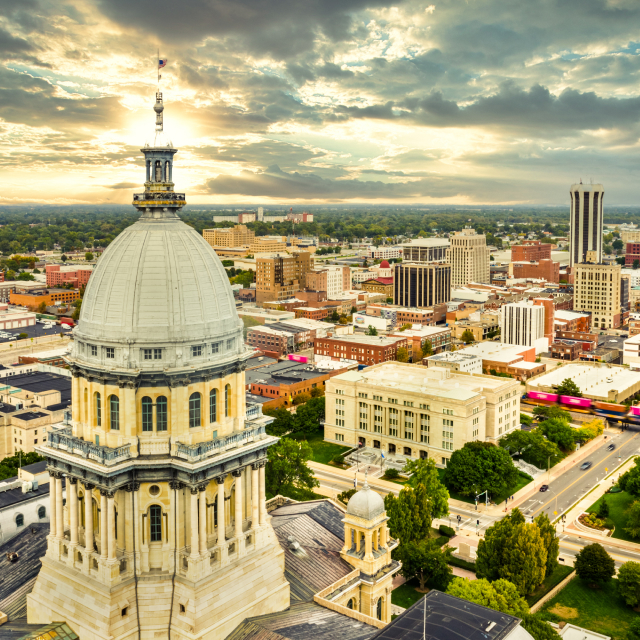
(604, 410)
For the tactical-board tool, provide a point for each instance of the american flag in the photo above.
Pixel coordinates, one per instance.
(162, 62)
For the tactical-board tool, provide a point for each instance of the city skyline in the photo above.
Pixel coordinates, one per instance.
(402, 103)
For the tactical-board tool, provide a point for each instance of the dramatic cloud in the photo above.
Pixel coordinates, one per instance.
(321, 100)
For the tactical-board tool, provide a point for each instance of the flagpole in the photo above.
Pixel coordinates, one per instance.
(158, 68)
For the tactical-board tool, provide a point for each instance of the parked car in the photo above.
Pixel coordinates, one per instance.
(611, 447)
(544, 487)
(586, 465)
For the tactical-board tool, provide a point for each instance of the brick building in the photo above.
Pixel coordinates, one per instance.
(632, 253)
(544, 269)
(566, 350)
(531, 250)
(587, 341)
(57, 275)
(312, 313)
(362, 349)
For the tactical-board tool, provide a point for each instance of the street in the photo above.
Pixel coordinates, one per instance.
(564, 492)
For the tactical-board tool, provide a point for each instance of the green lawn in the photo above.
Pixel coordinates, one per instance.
(324, 451)
(556, 577)
(618, 504)
(405, 595)
(601, 610)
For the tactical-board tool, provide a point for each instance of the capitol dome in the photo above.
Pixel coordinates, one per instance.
(366, 504)
(158, 286)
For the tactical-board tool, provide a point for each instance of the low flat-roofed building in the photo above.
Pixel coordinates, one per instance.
(360, 348)
(572, 321)
(631, 352)
(566, 349)
(312, 313)
(265, 315)
(417, 412)
(514, 360)
(456, 361)
(439, 337)
(595, 381)
(480, 330)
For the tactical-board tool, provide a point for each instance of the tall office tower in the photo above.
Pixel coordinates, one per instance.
(521, 323)
(468, 255)
(421, 285)
(597, 289)
(165, 531)
(260, 214)
(586, 222)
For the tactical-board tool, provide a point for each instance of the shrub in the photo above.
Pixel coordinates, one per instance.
(392, 473)
(345, 496)
(338, 459)
(442, 540)
(603, 509)
(446, 530)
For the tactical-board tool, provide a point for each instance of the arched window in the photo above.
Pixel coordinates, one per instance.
(161, 413)
(379, 609)
(213, 405)
(155, 522)
(20, 520)
(147, 414)
(98, 409)
(114, 413)
(86, 406)
(42, 512)
(227, 401)
(350, 604)
(195, 410)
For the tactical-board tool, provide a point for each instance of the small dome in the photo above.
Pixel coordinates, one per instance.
(366, 504)
(384, 265)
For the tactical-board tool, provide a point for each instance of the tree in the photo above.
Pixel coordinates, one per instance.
(633, 519)
(427, 349)
(334, 316)
(603, 508)
(560, 432)
(629, 583)
(426, 561)
(402, 355)
(301, 398)
(424, 471)
(594, 565)
(88, 256)
(467, 336)
(569, 388)
(309, 416)
(636, 264)
(618, 245)
(630, 480)
(64, 258)
(515, 551)
(23, 275)
(282, 424)
(411, 513)
(478, 467)
(42, 307)
(538, 628)
(550, 541)
(500, 595)
(317, 392)
(372, 331)
(287, 472)
(552, 411)
(417, 355)
(9, 466)
(10, 275)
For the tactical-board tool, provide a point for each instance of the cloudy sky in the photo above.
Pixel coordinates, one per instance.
(294, 101)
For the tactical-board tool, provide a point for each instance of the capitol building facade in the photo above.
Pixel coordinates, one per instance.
(164, 531)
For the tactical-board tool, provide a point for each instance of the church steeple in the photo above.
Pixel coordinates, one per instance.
(159, 199)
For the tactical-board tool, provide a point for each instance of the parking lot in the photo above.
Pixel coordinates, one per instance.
(10, 335)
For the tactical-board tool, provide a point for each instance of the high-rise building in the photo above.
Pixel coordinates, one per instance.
(279, 275)
(586, 222)
(420, 284)
(333, 279)
(425, 250)
(597, 289)
(522, 323)
(468, 256)
(164, 532)
(260, 214)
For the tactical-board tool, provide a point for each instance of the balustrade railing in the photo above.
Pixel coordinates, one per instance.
(202, 450)
(63, 440)
(158, 195)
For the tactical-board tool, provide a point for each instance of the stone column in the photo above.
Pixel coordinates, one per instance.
(53, 500)
(59, 509)
(263, 504)
(73, 510)
(221, 523)
(237, 474)
(194, 523)
(88, 518)
(203, 519)
(111, 525)
(255, 496)
(103, 524)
